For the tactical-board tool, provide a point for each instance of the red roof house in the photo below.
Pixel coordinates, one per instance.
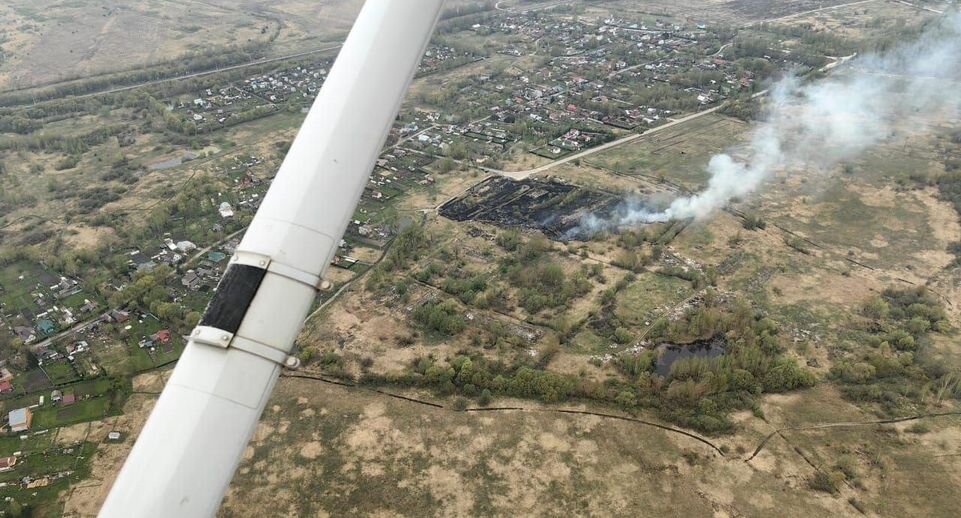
(162, 336)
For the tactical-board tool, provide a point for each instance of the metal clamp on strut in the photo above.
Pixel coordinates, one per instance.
(221, 339)
(266, 263)
(235, 293)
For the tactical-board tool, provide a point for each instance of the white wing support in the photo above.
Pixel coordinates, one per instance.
(192, 443)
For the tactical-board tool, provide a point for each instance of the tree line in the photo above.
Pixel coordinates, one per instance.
(210, 59)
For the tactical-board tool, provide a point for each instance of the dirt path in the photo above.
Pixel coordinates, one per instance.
(75, 329)
(770, 436)
(488, 410)
(204, 250)
(922, 7)
(521, 175)
(828, 8)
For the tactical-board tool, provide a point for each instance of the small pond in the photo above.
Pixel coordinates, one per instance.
(667, 354)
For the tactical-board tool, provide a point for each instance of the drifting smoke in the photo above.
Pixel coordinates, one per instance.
(817, 125)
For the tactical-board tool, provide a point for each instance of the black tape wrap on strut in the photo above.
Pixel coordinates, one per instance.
(234, 294)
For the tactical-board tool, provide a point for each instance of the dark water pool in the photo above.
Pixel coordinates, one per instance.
(670, 353)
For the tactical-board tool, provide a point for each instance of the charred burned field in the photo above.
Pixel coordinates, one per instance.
(549, 206)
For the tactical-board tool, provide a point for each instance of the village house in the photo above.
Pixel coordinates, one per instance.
(140, 262)
(76, 348)
(7, 463)
(118, 316)
(25, 334)
(46, 326)
(67, 317)
(166, 256)
(40, 482)
(88, 306)
(186, 246)
(216, 257)
(191, 280)
(162, 336)
(20, 419)
(208, 274)
(66, 287)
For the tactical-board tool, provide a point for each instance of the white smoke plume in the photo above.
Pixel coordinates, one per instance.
(817, 125)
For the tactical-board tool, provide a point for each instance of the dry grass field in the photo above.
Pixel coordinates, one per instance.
(869, 231)
(78, 38)
(333, 443)
(71, 39)
(324, 450)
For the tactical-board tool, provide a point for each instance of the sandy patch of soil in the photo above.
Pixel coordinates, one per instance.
(85, 499)
(84, 237)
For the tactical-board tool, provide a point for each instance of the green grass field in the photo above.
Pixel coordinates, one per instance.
(679, 154)
(646, 298)
(53, 416)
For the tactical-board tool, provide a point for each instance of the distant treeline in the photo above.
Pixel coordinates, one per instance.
(465, 10)
(193, 63)
(70, 145)
(25, 121)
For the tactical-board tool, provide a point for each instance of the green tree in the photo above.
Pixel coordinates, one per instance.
(446, 165)
(485, 397)
(457, 151)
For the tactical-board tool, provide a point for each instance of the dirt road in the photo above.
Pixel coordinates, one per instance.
(520, 175)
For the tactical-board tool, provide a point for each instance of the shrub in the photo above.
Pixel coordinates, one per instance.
(545, 285)
(622, 335)
(67, 163)
(509, 240)
(918, 428)
(876, 308)
(466, 289)
(847, 466)
(406, 247)
(440, 317)
(630, 260)
(485, 398)
(798, 244)
(823, 482)
(857, 504)
(754, 222)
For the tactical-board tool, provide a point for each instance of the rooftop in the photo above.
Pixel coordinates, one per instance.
(19, 416)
